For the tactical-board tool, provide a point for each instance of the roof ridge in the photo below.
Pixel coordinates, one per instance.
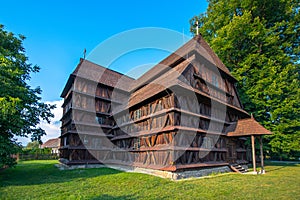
(112, 70)
(215, 57)
(193, 44)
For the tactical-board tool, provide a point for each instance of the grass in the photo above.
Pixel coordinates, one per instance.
(41, 180)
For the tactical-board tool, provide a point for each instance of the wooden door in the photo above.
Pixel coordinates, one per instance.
(231, 151)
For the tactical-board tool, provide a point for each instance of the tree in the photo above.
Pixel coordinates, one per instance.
(258, 40)
(33, 145)
(21, 107)
(33, 148)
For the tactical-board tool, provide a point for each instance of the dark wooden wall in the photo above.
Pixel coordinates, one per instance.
(170, 131)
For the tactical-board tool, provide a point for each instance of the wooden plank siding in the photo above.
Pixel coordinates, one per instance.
(174, 117)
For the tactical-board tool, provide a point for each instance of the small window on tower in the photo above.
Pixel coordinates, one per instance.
(100, 120)
(137, 143)
(66, 141)
(215, 80)
(137, 114)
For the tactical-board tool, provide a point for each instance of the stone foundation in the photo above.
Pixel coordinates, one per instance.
(201, 172)
(245, 166)
(194, 173)
(62, 166)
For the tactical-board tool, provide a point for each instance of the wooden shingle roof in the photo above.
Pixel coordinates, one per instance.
(160, 84)
(246, 127)
(197, 44)
(167, 81)
(91, 71)
(104, 75)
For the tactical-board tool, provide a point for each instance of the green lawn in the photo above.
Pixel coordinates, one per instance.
(41, 180)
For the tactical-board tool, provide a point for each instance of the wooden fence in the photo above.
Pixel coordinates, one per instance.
(37, 156)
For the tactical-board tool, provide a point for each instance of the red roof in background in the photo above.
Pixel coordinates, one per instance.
(248, 126)
(52, 143)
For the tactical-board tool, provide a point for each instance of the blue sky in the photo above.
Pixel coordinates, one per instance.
(58, 31)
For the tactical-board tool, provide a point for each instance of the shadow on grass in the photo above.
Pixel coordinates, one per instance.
(276, 169)
(43, 172)
(280, 165)
(105, 196)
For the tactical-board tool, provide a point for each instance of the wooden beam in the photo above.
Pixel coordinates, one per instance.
(253, 153)
(190, 157)
(261, 154)
(166, 159)
(166, 138)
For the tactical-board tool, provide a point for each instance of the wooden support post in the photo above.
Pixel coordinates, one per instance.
(253, 153)
(261, 154)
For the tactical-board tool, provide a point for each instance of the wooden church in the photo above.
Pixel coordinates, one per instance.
(183, 114)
